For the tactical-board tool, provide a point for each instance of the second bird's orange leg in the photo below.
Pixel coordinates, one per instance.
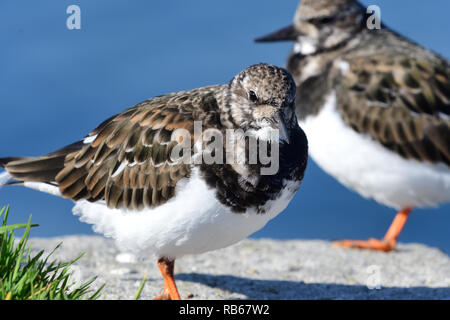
(170, 291)
(389, 241)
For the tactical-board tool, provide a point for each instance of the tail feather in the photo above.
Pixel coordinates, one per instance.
(26, 165)
(36, 176)
(38, 169)
(5, 161)
(42, 169)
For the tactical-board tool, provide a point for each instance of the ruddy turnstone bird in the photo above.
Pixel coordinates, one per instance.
(375, 107)
(127, 178)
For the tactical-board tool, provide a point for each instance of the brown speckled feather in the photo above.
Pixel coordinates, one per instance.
(402, 102)
(127, 163)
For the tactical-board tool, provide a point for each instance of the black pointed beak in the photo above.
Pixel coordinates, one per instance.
(280, 122)
(288, 33)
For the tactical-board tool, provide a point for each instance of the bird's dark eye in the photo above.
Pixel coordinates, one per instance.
(321, 20)
(326, 20)
(252, 96)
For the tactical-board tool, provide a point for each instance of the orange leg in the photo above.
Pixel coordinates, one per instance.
(390, 238)
(170, 291)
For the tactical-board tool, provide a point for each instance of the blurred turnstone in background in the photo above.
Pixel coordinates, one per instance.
(375, 107)
(124, 178)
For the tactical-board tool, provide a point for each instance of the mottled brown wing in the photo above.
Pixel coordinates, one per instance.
(127, 161)
(402, 103)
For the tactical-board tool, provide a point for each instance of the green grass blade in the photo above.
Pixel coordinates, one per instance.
(141, 287)
(12, 227)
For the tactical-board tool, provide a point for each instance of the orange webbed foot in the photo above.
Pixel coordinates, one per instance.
(389, 241)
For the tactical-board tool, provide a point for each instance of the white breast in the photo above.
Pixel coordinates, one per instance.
(365, 166)
(192, 222)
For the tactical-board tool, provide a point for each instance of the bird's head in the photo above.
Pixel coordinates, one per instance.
(261, 99)
(321, 25)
